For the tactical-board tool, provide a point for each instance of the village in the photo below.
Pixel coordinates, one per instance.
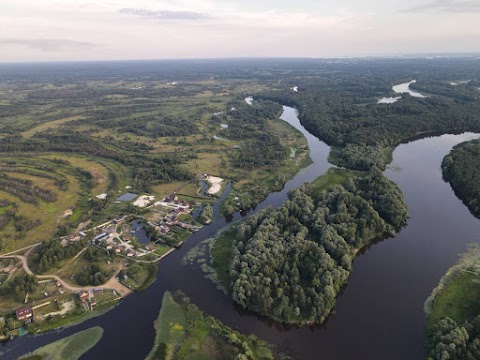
(143, 238)
(126, 235)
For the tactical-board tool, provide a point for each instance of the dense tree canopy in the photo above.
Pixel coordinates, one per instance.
(290, 263)
(19, 286)
(52, 252)
(454, 342)
(462, 169)
(342, 110)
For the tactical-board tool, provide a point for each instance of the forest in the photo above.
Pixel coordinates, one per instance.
(341, 109)
(290, 263)
(461, 168)
(52, 252)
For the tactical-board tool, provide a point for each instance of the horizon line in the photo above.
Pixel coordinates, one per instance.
(344, 57)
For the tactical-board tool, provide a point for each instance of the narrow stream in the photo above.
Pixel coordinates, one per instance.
(379, 315)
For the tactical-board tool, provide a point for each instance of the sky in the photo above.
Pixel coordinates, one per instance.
(58, 30)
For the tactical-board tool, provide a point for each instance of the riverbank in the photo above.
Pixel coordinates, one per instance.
(259, 181)
(453, 311)
(461, 168)
(69, 348)
(183, 331)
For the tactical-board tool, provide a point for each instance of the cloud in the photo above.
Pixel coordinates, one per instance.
(452, 6)
(165, 15)
(47, 44)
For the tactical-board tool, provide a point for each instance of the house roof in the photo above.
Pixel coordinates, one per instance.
(25, 311)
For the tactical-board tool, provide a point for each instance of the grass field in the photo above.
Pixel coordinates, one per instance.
(457, 296)
(45, 171)
(459, 299)
(190, 334)
(48, 125)
(49, 213)
(139, 276)
(97, 169)
(221, 254)
(333, 176)
(69, 348)
(170, 327)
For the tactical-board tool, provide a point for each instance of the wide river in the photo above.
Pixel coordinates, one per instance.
(379, 315)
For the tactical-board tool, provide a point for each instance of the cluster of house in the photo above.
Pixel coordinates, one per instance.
(120, 249)
(178, 207)
(105, 240)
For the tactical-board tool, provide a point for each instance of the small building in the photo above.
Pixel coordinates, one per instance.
(102, 196)
(93, 302)
(24, 313)
(83, 295)
(131, 253)
(150, 247)
(100, 237)
(127, 197)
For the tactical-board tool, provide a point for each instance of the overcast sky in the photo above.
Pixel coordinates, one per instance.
(40, 30)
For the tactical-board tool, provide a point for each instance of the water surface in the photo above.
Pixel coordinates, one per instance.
(405, 88)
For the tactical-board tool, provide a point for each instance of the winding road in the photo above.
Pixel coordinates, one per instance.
(111, 284)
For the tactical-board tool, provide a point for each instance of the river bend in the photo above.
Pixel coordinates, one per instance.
(379, 315)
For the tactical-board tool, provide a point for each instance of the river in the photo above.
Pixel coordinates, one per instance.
(379, 315)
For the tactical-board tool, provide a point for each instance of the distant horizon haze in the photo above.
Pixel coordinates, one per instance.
(107, 30)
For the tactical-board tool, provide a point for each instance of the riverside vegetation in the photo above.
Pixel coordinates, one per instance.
(453, 312)
(461, 168)
(69, 348)
(453, 309)
(290, 263)
(185, 332)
